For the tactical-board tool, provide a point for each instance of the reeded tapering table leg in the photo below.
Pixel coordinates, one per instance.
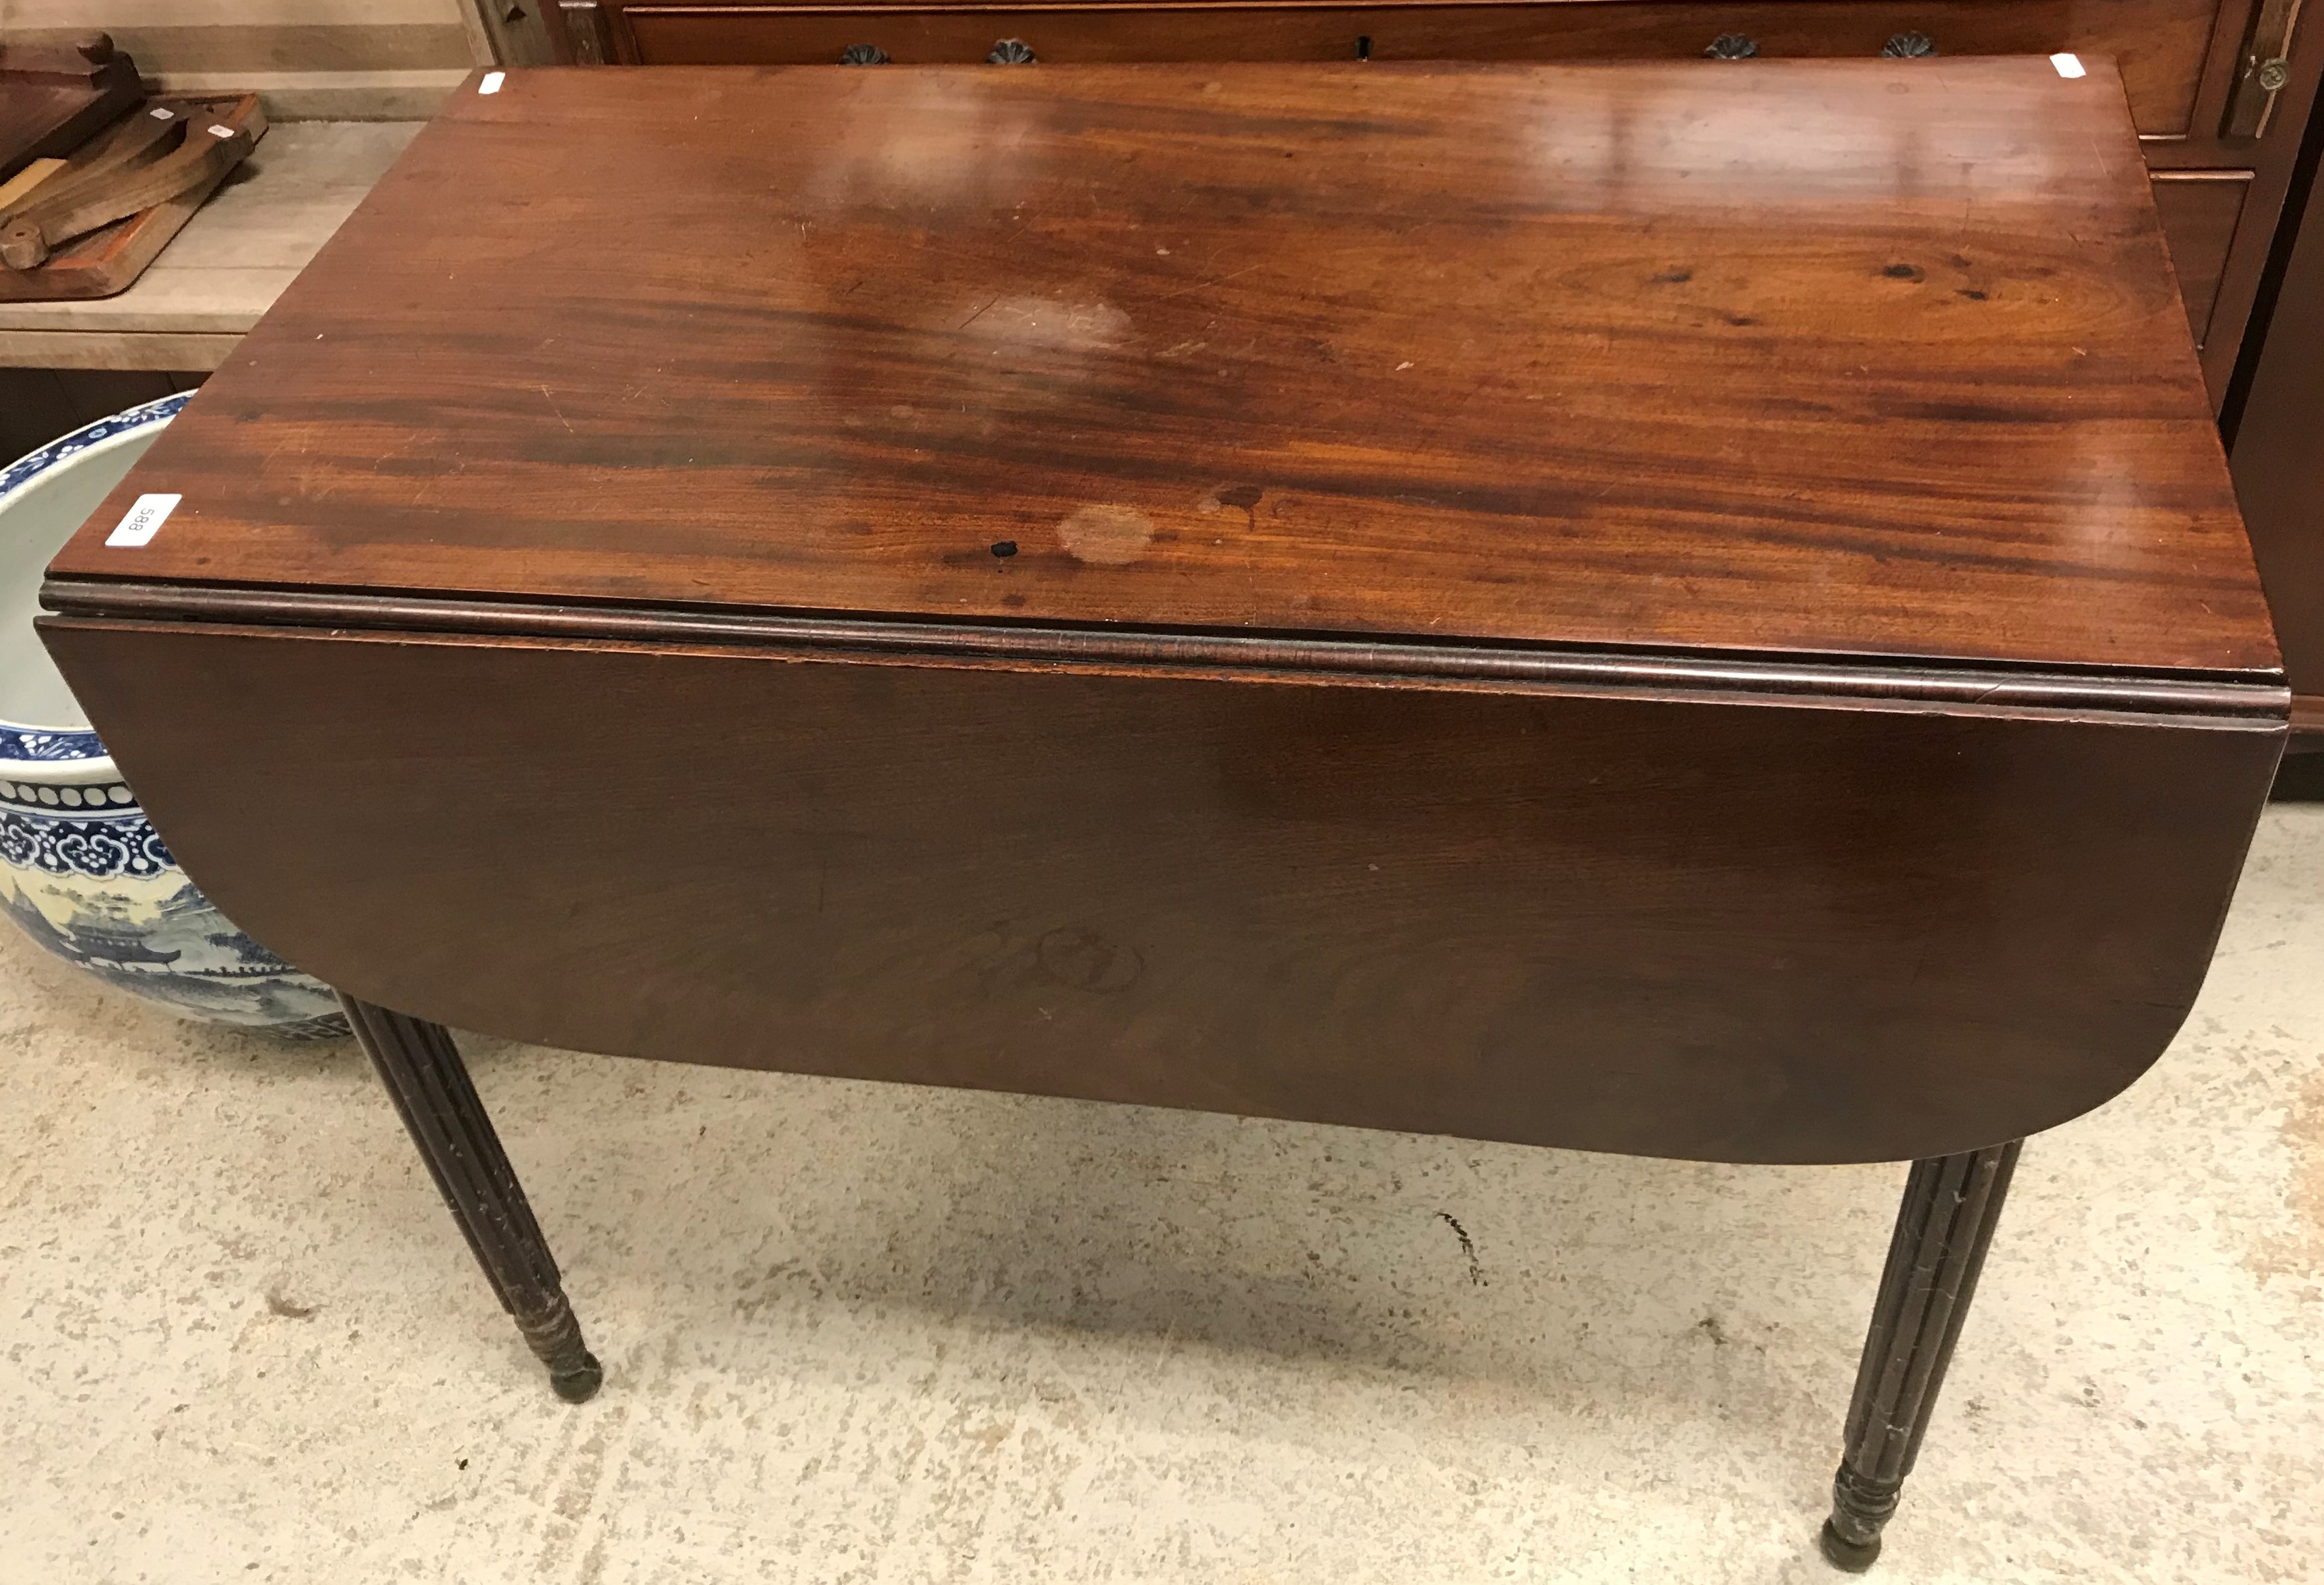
(421, 1067)
(1942, 1230)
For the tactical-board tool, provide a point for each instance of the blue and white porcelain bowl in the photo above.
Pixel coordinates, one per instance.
(81, 869)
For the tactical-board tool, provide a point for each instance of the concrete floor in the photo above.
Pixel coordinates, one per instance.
(864, 1333)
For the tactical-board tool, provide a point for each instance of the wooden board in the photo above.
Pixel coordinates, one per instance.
(108, 261)
(52, 96)
(1874, 359)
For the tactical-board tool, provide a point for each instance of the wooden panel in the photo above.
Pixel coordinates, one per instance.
(2200, 210)
(2261, 70)
(2159, 44)
(2279, 458)
(1874, 359)
(2271, 159)
(1838, 931)
(37, 405)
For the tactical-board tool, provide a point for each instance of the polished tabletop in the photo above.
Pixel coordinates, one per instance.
(1866, 358)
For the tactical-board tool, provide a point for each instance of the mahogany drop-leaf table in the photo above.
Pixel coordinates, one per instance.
(1688, 609)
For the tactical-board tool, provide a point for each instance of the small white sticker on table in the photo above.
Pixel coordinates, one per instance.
(162, 112)
(145, 521)
(491, 83)
(220, 132)
(2067, 65)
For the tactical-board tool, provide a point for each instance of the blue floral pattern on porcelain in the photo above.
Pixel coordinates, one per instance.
(31, 463)
(85, 873)
(17, 743)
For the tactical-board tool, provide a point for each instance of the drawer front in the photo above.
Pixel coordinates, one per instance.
(2160, 44)
(2200, 211)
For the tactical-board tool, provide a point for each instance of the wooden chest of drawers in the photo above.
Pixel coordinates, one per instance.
(2159, 45)
(2220, 141)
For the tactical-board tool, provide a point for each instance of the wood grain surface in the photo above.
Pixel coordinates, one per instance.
(1815, 358)
(1617, 920)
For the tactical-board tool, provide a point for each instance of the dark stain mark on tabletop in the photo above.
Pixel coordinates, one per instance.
(1245, 496)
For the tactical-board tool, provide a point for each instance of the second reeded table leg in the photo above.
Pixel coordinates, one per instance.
(421, 1067)
(1942, 1231)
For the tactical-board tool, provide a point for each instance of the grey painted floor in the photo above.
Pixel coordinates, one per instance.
(871, 1334)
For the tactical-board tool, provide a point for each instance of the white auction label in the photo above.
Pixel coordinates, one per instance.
(220, 132)
(491, 83)
(2067, 65)
(145, 521)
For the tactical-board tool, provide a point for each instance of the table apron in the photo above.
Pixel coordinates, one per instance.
(1714, 928)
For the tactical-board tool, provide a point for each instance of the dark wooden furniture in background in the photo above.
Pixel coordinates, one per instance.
(2279, 465)
(1656, 608)
(37, 405)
